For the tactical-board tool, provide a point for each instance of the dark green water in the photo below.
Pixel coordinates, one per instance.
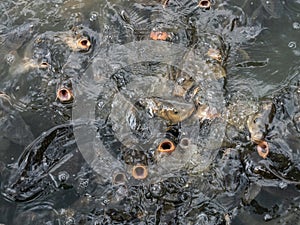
(59, 161)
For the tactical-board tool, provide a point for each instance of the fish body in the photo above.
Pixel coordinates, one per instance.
(15, 39)
(32, 173)
(171, 111)
(13, 126)
(258, 123)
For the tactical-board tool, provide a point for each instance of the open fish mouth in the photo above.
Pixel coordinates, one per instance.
(122, 114)
(153, 127)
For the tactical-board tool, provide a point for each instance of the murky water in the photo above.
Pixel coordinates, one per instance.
(150, 112)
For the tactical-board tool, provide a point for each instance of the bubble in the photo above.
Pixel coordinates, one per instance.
(63, 176)
(296, 25)
(70, 221)
(83, 183)
(10, 58)
(93, 16)
(292, 45)
(157, 190)
(282, 185)
(267, 217)
(105, 201)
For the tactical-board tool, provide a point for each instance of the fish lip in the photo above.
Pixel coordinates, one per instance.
(166, 146)
(171, 54)
(136, 174)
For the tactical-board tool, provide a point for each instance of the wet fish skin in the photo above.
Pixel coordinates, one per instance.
(79, 59)
(166, 110)
(186, 87)
(12, 125)
(129, 125)
(16, 38)
(77, 33)
(264, 8)
(273, 7)
(40, 52)
(258, 123)
(44, 155)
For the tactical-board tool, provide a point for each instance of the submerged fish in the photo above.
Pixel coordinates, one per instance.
(259, 8)
(171, 111)
(31, 176)
(259, 122)
(247, 114)
(12, 125)
(15, 38)
(273, 7)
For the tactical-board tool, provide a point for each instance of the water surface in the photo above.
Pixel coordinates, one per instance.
(196, 85)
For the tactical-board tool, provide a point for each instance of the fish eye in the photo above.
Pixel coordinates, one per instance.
(140, 103)
(175, 111)
(180, 80)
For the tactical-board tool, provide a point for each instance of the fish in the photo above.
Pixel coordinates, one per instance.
(31, 176)
(258, 122)
(12, 125)
(274, 8)
(171, 111)
(15, 38)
